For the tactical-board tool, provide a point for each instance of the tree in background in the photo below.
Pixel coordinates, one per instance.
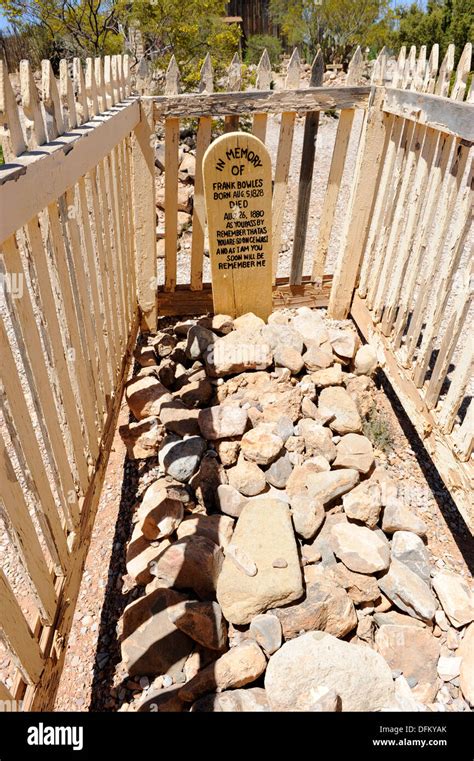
(76, 27)
(443, 21)
(188, 30)
(336, 25)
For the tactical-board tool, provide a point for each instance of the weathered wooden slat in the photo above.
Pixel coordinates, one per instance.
(372, 262)
(107, 294)
(311, 126)
(144, 215)
(79, 278)
(31, 107)
(441, 145)
(462, 73)
(429, 81)
(5, 695)
(126, 74)
(51, 100)
(397, 79)
(116, 246)
(264, 79)
(48, 414)
(463, 437)
(24, 535)
(82, 106)
(445, 71)
(450, 191)
(392, 252)
(18, 636)
(336, 170)
(39, 180)
(66, 90)
(46, 508)
(257, 101)
(282, 166)
(50, 315)
(457, 388)
(77, 355)
(100, 84)
(432, 111)
(98, 318)
(372, 149)
(108, 84)
(234, 84)
(104, 215)
(447, 271)
(12, 138)
(456, 475)
(450, 340)
(203, 140)
(91, 88)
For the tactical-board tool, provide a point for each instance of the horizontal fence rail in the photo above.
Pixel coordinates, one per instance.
(69, 320)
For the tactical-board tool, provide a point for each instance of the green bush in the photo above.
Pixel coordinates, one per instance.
(256, 45)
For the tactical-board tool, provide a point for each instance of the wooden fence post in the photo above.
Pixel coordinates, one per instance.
(144, 215)
(357, 222)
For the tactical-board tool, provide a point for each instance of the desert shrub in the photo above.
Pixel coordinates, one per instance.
(257, 44)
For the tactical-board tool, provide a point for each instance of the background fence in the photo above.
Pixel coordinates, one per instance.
(78, 241)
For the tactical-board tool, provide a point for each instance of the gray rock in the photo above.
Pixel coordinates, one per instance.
(408, 591)
(279, 336)
(266, 630)
(198, 340)
(181, 457)
(279, 471)
(323, 486)
(409, 549)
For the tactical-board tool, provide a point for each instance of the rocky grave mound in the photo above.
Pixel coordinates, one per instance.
(276, 566)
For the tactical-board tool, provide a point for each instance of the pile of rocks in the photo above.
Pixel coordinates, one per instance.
(186, 177)
(280, 568)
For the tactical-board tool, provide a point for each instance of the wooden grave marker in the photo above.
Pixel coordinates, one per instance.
(238, 189)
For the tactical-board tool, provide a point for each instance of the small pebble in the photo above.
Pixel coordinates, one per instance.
(280, 563)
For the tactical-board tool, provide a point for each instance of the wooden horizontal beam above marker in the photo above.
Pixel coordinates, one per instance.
(183, 301)
(441, 114)
(40, 177)
(260, 102)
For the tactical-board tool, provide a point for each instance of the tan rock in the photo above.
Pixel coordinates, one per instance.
(456, 597)
(326, 607)
(194, 562)
(238, 351)
(158, 515)
(228, 451)
(365, 360)
(413, 651)
(140, 553)
(247, 478)
(408, 591)
(307, 515)
(218, 528)
(264, 532)
(331, 376)
(222, 323)
(178, 418)
(142, 439)
(466, 652)
(249, 700)
(360, 549)
(323, 486)
(202, 621)
(241, 665)
(354, 451)
(343, 342)
(335, 401)
(360, 587)
(248, 321)
(286, 356)
(260, 445)
(317, 439)
(222, 422)
(317, 358)
(363, 503)
(231, 502)
(398, 517)
(144, 396)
